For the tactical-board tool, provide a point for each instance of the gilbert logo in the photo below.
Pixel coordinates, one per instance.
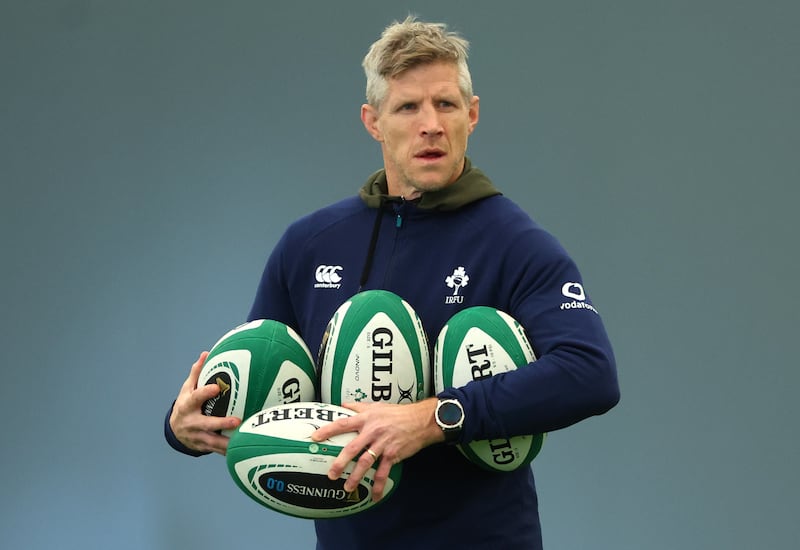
(456, 281)
(327, 276)
(578, 295)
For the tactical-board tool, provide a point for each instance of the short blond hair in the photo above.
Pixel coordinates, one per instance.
(410, 43)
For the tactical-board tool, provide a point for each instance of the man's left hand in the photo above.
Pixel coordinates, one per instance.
(387, 434)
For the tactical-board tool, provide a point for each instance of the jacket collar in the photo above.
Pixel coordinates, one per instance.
(471, 185)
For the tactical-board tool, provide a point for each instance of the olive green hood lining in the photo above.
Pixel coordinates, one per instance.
(471, 185)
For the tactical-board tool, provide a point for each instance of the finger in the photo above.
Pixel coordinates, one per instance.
(219, 444)
(188, 411)
(198, 365)
(348, 453)
(356, 406)
(363, 464)
(190, 402)
(381, 476)
(186, 426)
(217, 424)
(194, 373)
(343, 425)
(208, 431)
(210, 442)
(202, 394)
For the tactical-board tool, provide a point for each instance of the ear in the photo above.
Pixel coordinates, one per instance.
(369, 117)
(474, 112)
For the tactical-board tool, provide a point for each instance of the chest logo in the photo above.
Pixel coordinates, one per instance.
(327, 276)
(456, 281)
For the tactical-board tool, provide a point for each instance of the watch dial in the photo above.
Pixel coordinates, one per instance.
(450, 413)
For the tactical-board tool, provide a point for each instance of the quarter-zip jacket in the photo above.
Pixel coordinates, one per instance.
(466, 245)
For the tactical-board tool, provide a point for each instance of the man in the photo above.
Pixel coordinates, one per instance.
(427, 216)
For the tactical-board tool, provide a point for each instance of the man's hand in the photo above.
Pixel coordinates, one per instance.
(192, 428)
(387, 434)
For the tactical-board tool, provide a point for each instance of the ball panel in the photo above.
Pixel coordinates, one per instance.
(292, 422)
(375, 349)
(327, 355)
(485, 357)
(256, 365)
(373, 371)
(295, 384)
(442, 375)
(230, 370)
(244, 327)
(419, 348)
(297, 484)
(503, 454)
(518, 336)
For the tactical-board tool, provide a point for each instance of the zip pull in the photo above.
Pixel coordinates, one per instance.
(398, 221)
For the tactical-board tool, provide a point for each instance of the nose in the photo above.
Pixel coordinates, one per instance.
(430, 125)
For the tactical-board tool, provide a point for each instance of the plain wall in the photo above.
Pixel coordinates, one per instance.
(151, 153)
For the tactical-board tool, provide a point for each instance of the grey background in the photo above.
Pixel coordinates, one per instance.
(151, 152)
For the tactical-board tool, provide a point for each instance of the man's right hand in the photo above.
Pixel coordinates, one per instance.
(190, 426)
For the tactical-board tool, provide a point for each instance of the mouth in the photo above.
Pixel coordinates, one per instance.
(431, 154)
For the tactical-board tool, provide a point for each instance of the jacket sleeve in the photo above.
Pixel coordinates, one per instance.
(574, 376)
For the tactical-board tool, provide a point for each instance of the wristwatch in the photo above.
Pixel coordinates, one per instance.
(449, 416)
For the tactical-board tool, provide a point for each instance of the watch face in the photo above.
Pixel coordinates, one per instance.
(450, 414)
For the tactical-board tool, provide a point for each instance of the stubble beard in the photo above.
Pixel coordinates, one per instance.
(413, 187)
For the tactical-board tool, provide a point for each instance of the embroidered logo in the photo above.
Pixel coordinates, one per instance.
(575, 291)
(327, 276)
(456, 281)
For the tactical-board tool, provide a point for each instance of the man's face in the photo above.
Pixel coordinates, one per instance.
(422, 125)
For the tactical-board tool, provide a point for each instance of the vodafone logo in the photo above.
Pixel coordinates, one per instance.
(327, 276)
(575, 291)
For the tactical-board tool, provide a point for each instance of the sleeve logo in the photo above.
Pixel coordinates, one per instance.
(575, 291)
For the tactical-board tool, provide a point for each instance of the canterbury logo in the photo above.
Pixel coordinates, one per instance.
(327, 276)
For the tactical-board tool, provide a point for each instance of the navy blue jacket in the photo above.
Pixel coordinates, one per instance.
(413, 249)
(512, 264)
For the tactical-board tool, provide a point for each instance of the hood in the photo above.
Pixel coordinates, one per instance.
(471, 185)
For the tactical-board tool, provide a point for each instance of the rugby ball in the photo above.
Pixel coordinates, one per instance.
(477, 343)
(374, 350)
(257, 365)
(272, 459)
